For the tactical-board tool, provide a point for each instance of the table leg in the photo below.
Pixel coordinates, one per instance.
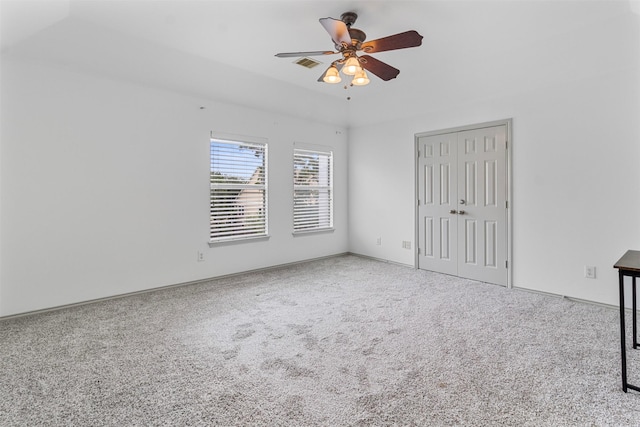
(623, 348)
(634, 313)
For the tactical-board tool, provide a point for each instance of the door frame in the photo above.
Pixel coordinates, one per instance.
(508, 123)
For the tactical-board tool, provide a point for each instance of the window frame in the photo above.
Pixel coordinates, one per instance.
(325, 223)
(219, 235)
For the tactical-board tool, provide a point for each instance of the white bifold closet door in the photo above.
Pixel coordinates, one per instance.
(462, 204)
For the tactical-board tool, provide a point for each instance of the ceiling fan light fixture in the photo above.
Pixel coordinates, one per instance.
(348, 42)
(332, 75)
(360, 79)
(352, 66)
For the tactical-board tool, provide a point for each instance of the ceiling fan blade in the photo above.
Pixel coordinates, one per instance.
(337, 30)
(385, 71)
(336, 64)
(313, 53)
(396, 41)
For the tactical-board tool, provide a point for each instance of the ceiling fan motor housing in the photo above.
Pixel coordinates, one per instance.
(357, 34)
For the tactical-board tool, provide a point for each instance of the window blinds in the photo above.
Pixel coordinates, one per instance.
(238, 197)
(312, 190)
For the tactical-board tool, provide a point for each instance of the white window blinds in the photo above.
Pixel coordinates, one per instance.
(312, 190)
(238, 190)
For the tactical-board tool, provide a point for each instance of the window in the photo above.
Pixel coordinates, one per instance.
(238, 195)
(312, 190)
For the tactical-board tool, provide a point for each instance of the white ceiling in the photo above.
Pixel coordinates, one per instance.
(225, 49)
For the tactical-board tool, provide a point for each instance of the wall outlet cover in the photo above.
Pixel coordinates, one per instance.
(589, 272)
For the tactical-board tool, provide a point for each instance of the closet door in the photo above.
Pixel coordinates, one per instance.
(437, 184)
(482, 205)
(462, 203)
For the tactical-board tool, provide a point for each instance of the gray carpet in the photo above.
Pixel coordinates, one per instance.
(343, 341)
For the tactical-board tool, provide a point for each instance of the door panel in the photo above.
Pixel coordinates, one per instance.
(484, 205)
(471, 186)
(470, 239)
(462, 187)
(437, 184)
(445, 184)
(490, 183)
(490, 245)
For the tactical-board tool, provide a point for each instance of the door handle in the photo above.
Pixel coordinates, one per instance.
(461, 212)
(453, 211)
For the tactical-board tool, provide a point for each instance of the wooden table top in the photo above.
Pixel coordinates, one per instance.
(629, 261)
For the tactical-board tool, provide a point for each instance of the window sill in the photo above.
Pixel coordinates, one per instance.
(237, 240)
(314, 231)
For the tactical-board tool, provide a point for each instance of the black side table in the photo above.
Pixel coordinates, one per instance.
(628, 265)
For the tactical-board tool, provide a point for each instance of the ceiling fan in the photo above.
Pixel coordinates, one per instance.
(349, 41)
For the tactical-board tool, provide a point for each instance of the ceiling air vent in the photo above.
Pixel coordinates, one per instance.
(307, 62)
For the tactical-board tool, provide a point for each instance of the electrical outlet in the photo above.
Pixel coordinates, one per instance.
(379, 241)
(406, 244)
(200, 256)
(589, 272)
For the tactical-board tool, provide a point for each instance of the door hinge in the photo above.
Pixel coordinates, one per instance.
(506, 204)
(418, 153)
(506, 144)
(419, 251)
(506, 264)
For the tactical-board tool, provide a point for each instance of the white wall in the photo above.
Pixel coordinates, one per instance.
(105, 188)
(576, 183)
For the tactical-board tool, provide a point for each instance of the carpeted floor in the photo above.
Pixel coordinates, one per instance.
(344, 341)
